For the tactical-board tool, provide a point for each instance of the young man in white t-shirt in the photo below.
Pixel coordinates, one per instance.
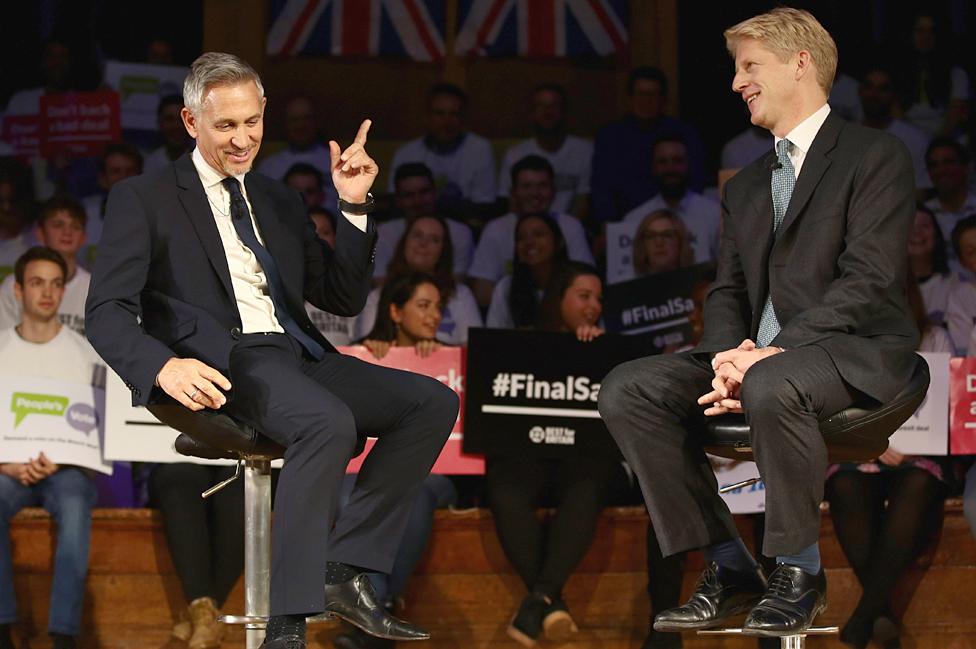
(533, 189)
(570, 156)
(61, 227)
(41, 346)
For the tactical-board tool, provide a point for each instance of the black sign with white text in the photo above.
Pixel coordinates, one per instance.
(535, 392)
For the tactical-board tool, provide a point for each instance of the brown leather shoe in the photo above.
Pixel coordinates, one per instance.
(207, 631)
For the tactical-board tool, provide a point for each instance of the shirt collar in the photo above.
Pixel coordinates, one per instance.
(803, 133)
(209, 176)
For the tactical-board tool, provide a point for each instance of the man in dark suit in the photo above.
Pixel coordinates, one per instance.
(810, 279)
(199, 286)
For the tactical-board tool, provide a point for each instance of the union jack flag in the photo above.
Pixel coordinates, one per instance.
(542, 28)
(408, 28)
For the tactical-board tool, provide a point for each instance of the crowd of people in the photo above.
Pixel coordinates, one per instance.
(467, 241)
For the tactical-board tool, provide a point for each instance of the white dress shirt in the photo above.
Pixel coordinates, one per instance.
(802, 137)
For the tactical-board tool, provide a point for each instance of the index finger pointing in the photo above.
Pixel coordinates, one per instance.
(363, 130)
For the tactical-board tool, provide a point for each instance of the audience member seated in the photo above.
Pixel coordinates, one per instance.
(175, 140)
(570, 156)
(117, 162)
(661, 243)
(701, 215)
(621, 177)
(746, 147)
(337, 329)
(302, 137)
(947, 162)
(533, 189)
(415, 195)
(928, 261)
(205, 540)
(16, 211)
(884, 513)
(61, 227)
(408, 316)
(539, 251)
(877, 93)
(933, 89)
(425, 247)
(545, 554)
(961, 309)
(311, 183)
(57, 68)
(41, 346)
(462, 162)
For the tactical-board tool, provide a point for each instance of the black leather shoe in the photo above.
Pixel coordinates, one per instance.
(285, 642)
(355, 602)
(794, 598)
(721, 593)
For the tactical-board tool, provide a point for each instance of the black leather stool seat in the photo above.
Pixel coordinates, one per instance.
(856, 434)
(213, 435)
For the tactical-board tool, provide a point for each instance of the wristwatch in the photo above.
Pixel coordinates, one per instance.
(358, 208)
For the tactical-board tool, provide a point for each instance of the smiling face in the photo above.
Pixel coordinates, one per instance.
(532, 192)
(534, 242)
(229, 128)
(424, 244)
(767, 84)
(921, 239)
(582, 302)
(419, 317)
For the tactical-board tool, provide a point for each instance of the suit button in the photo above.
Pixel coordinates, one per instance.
(235, 333)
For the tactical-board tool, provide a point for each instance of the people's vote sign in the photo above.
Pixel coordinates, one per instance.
(79, 124)
(63, 420)
(926, 432)
(447, 366)
(749, 499)
(962, 406)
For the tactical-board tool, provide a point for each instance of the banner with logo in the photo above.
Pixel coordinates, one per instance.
(447, 366)
(79, 124)
(63, 419)
(962, 406)
(658, 305)
(536, 391)
(745, 500)
(927, 431)
(140, 87)
(23, 133)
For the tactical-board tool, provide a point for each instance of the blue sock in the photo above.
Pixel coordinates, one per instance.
(731, 554)
(808, 559)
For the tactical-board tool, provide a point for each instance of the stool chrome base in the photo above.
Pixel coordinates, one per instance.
(786, 641)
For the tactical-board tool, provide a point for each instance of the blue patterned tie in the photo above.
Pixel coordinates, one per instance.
(783, 181)
(241, 218)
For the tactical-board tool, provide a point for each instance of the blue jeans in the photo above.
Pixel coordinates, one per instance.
(68, 496)
(435, 492)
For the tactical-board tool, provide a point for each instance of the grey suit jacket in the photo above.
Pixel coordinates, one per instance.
(835, 269)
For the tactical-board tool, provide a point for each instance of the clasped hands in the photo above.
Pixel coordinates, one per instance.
(730, 367)
(30, 472)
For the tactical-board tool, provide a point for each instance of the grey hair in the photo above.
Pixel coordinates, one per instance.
(215, 69)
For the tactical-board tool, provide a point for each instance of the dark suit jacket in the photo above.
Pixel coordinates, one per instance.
(836, 268)
(161, 286)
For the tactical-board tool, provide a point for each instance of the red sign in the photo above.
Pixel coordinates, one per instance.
(962, 406)
(23, 134)
(79, 124)
(447, 366)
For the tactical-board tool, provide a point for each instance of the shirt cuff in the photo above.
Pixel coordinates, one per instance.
(359, 220)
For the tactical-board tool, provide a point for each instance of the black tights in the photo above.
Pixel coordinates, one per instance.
(205, 537)
(881, 541)
(545, 557)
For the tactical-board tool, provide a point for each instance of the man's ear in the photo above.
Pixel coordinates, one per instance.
(804, 64)
(189, 122)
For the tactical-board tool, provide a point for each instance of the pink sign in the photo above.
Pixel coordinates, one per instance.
(23, 134)
(447, 366)
(962, 406)
(79, 124)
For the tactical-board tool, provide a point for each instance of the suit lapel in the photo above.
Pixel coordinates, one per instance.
(197, 207)
(814, 166)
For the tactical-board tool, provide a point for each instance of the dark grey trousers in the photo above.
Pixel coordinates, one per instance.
(316, 410)
(650, 404)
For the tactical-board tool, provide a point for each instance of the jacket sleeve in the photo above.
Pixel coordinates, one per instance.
(113, 311)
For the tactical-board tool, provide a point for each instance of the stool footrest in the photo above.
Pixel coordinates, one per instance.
(814, 630)
(261, 621)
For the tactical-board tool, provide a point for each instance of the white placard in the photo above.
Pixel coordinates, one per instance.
(620, 250)
(927, 431)
(140, 86)
(63, 419)
(747, 500)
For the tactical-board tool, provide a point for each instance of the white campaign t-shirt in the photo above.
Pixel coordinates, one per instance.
(571, 163)
(336, 329)
(700, 215)
(468, 171)
(917, 142)
(389, 233)
(746, 147)
(72, 309)
(66, 357)
(459, 314)
(278, 164)
(496, 248)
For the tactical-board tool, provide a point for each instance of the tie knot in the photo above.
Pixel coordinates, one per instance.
(783, 149)
(233, 187)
